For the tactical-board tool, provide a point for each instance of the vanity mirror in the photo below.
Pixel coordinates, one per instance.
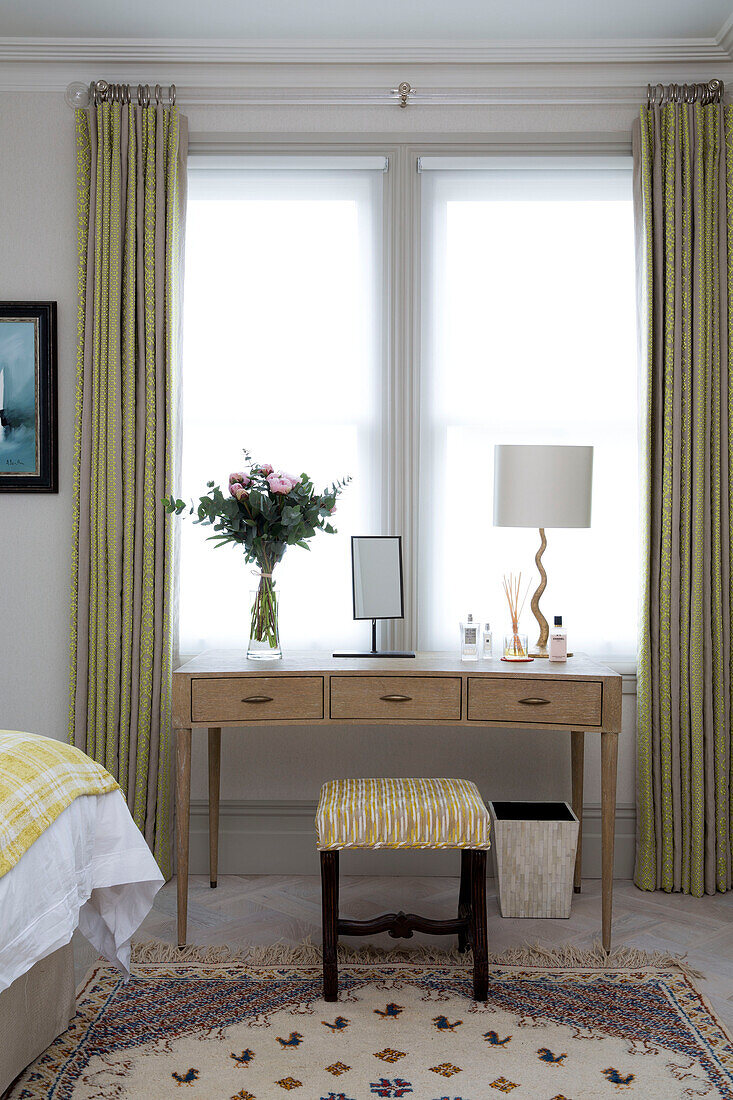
(378, 592)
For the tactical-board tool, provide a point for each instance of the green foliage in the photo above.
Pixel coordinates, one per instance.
(254, 515)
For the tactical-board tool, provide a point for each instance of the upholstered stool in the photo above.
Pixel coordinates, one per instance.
(405, 813)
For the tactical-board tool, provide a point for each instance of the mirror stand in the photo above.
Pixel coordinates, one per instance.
(374, 652)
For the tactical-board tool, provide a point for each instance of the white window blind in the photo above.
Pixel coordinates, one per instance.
(528, 336)
(282, 355)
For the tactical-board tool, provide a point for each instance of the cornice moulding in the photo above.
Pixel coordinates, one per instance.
(334, 52)
(724, 37)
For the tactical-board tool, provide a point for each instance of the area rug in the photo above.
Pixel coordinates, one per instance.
(405, 1025)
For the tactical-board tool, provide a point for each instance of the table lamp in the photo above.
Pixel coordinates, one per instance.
(536, 486)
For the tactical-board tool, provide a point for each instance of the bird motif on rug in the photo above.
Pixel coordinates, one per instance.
(553, 1059)
(390, 1010)
(293, 1040)
(616, 1079)
(244, 1058)
(442, 1024)
(186, 1078)
(338, 1024)
(492, 1038)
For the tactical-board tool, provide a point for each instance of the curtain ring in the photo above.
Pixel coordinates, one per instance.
(158, 94)
(715, 88)
(172, 95)
(100, 91)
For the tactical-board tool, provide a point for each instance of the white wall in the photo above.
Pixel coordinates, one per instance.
(270, 777)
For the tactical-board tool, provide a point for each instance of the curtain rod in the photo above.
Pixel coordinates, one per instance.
(101, 91)
(659, 95)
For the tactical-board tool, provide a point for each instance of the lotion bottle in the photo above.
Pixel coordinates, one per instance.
(469, 640)
(558, 641)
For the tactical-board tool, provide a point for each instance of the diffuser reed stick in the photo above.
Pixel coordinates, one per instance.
(512, 588)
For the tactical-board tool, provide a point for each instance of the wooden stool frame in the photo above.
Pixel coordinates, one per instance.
(469, 925)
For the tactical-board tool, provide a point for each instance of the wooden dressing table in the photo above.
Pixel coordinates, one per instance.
(223, 689)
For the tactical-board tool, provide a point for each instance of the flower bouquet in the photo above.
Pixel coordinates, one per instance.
(264, 512)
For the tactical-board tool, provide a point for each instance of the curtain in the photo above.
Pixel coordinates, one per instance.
(683, 160)
(130, 206)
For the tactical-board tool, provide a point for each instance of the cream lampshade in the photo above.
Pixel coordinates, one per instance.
(536, 486)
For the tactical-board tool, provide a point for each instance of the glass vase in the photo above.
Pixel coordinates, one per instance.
(516, 646)
(264, 625)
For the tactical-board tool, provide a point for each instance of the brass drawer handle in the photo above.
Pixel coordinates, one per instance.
(534, 702)
(257, 699)
(396, 698)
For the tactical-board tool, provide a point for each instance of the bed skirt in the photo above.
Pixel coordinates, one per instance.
(34, 1010)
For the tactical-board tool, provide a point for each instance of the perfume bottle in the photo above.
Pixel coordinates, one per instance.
(487, 644)
(469, 640)
(558, 641)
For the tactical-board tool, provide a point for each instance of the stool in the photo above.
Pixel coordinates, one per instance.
(405, 813)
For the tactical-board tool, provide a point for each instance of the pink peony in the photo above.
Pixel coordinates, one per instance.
(238, 491)
(241, 479)
(266, 469)
(279, 484)
(289, 477)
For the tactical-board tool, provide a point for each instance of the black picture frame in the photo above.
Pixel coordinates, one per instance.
(28, 398)
(378, 538)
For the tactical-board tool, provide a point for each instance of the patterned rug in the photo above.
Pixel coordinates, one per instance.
(404, 1026)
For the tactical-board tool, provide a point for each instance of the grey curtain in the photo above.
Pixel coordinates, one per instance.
(131, 178)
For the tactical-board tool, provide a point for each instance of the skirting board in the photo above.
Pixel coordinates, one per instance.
(278, 838)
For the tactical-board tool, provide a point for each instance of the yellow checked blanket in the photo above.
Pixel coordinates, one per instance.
(40, 777)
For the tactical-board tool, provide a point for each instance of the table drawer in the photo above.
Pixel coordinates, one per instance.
(436, 698)
(555, 702)
(256, 698)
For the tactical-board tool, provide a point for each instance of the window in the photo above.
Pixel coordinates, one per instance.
(282, 355)
(528, 337)
(308, 281)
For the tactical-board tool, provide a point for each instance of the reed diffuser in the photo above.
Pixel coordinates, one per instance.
(515, 644)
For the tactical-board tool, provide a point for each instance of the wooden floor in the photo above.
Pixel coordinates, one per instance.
(256, 909)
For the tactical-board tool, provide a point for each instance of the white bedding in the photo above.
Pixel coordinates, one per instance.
(91, 868)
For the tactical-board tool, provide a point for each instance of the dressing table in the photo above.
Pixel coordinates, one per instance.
(217, 690)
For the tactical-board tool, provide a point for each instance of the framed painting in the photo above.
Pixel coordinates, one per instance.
(28, 438)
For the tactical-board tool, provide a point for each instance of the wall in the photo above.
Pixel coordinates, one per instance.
(270, 778)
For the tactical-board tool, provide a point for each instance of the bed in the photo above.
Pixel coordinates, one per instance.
(89, 869)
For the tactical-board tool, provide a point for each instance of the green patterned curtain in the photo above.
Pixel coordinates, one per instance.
(130, 203)
(683, 159)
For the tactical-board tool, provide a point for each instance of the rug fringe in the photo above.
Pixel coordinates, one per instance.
(562, 956)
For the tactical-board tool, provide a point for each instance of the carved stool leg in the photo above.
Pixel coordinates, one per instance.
(330, 907)
(464, 896)
(478, 926)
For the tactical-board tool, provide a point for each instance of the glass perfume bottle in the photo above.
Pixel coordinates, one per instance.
(469, 640)
(487, 643)
(558, 641)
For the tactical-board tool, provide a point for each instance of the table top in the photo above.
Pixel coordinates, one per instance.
(235, 663)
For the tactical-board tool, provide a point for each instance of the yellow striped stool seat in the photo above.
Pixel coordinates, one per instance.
(401, 813)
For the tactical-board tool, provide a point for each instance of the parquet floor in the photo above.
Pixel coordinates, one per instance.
(255, 909)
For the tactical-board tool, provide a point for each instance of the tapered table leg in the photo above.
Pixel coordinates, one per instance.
(183, 809)
(577, 755)
(609, 767)
(214, 773)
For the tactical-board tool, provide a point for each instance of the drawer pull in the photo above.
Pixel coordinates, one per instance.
(396, 698)
(257, 699)
(534, 702)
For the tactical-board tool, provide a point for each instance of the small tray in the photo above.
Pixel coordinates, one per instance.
(517, 660)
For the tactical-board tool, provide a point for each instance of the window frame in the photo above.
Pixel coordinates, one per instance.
(402, 295)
